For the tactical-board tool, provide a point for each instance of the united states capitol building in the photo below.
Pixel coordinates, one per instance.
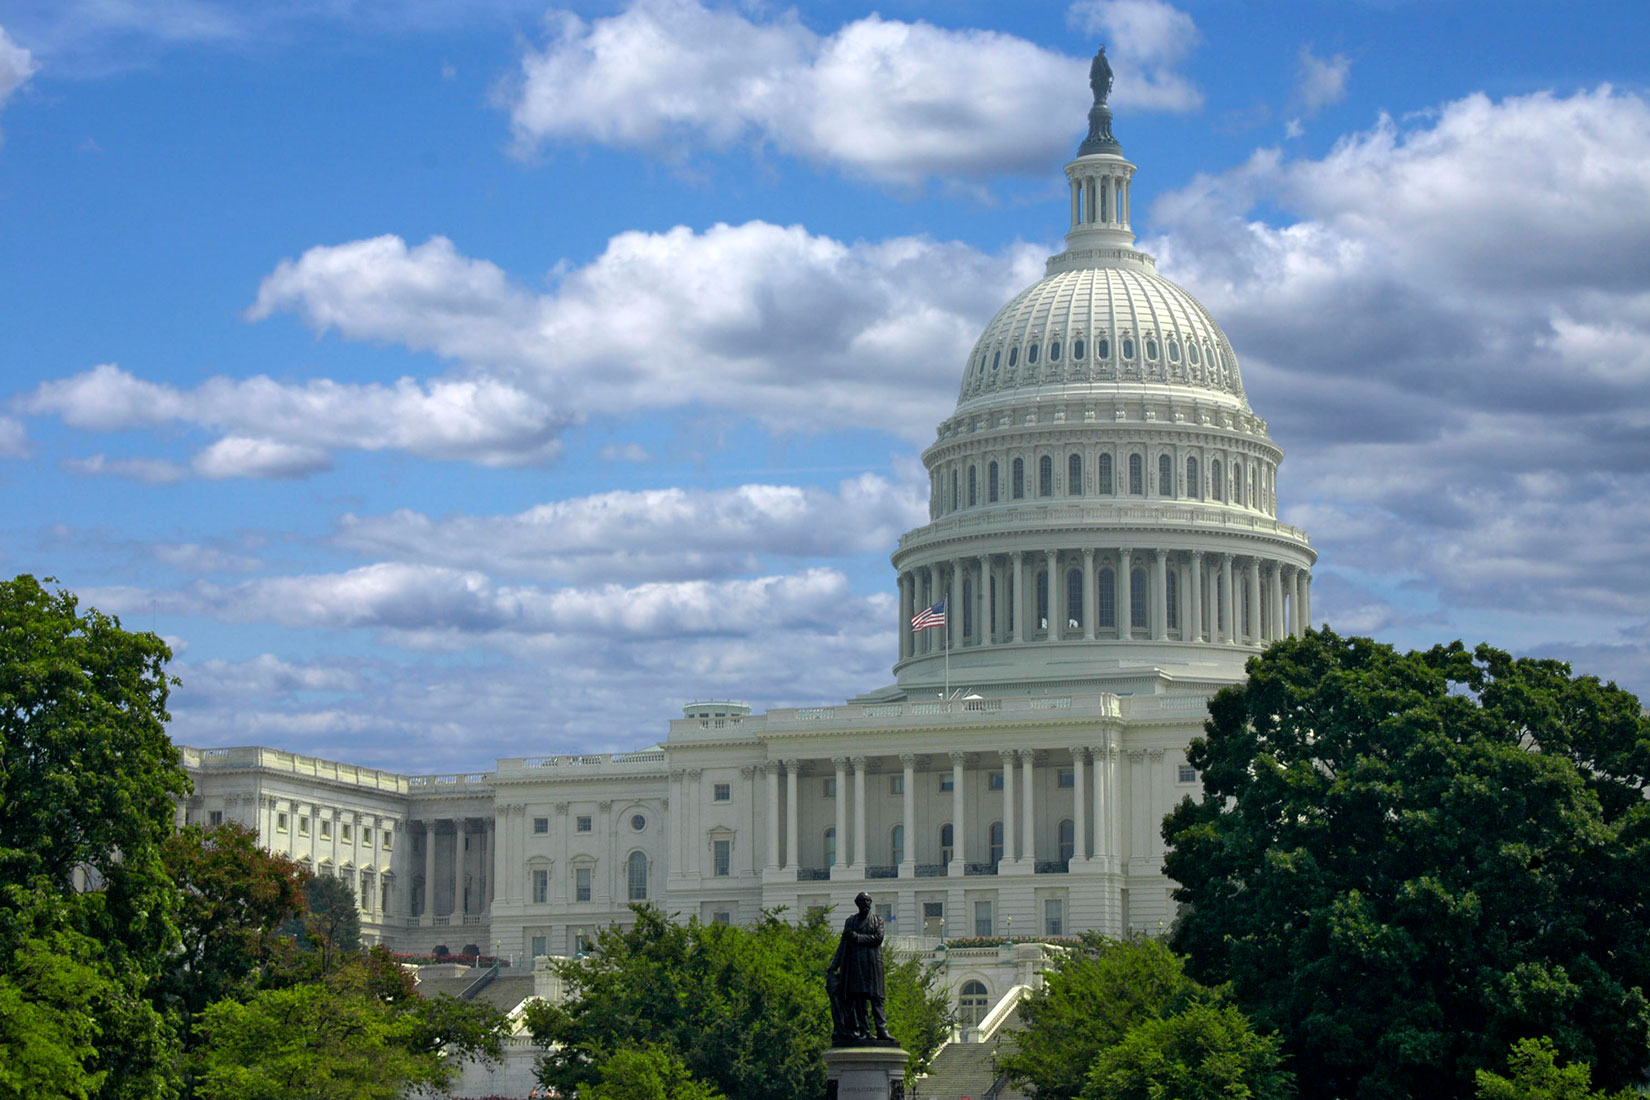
(1103, 530)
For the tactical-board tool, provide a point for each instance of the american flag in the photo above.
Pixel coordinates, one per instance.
(932, 616)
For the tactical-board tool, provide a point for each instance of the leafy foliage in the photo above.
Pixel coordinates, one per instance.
(920, 1013)
(47, 991)
(648, 1073)
(1202, 1052)
(1405, 862)
(331, 921)
(1536, 1075)
(743, 1008)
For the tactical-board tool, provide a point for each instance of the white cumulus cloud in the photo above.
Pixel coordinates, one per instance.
(17, 65)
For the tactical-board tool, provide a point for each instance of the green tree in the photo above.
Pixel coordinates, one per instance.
(648, 1073)
(1202, 1052)
(743, 1008)
(1404, 862)
(331, 921)
(1536, 1075)
(47, 991)
(920, 1013)
(88, 780)
(234, 897)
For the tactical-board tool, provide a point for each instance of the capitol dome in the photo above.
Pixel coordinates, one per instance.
(1102, 500)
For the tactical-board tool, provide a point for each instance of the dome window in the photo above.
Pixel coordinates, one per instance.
(1151, 348)
(1054, 352)
(1165, 476)
(1217, 487)
(1137, 477)
(991, 484)
(1104, 478)
(974, 482)
(1019, 478)
(1031, 354)
(1128, 347)
(1045, 477)
(996, 358)
(1077, 348)
(1074, 475)
(1013, 356)
(1191, 353)
(1174, 351)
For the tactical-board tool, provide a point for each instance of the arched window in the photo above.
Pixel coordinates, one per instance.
(1128, 347)
(1165, 476)
(953, 490)
(1013, 356)
(1174, 351)
(1217, 485)
(1068, 840)
(991, 483)
(1237, 484)
(1102, 350)
(996, 843)
(830, 846)
(1074, 597)
(1137, 475)
(996, 358)
(974, 486)
(1104, 486)
(1031, 354)
(968, 606)
(1194, 487)
(1137, 599)
(972, 1003)
(1151, 347)
(1045, 476)
(1019, 479)
(1042, 596)
(1171, 599)
(1054, 351)
(1106, 583)
(1191, 353)
(636, 875)
(896, 844)
(1074, 476)
(1077, 348)
(946, 847)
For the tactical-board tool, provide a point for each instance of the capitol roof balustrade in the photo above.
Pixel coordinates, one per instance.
(1040, 515)
(256, 756)
(585, 765)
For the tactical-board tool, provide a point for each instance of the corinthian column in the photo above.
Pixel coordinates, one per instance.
(1192, 624)
(841, 763)
(862, 856)
(1125, 596)
(959, 832)
(1160, 594)
(791, 769)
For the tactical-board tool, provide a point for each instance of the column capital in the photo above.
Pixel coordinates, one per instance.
(1008, 755)
(1080, 753)
(908, 759)
(694, 774)
(678, 774)
(858, 763)
(1197, 555)
(792, 765)
(1160, 555)
(957, 756)
(841, 762)
(748, 771)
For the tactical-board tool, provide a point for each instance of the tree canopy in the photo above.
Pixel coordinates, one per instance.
(1405, 862)
(1120, 1019)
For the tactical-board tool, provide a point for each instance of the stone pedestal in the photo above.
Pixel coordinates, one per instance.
(865, 1071)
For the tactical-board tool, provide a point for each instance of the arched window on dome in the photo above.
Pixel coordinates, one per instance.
(1174, 351)
(996, 843)
(1194, 484)
(830, 846)
(946, 845)
(636, 876)
(1018, 480)
(1045, 476)
(1031, 354)
(1165, 476)
(968, 606)
(996, 358)
(1217, 487)
(1191, 354)
(1054, 351)
(1237, 484)
(1074, 475)
(1105, 584)
(1077, 348)
(1074, 598)
(1102, 350)
(1137, 599)
(1042, 598)
(953, 490)
(1128, 347)
(1103, 481)
(1137, 476)
(991, 483)
(1171, 597)
(973, 486)
(1151, 348)
(1013, 356)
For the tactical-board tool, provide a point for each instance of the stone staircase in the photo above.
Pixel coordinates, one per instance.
(961, 1070)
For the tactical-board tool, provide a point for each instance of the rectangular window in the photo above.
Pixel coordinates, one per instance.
(995, 782)
(1068, 777)
(933, 918)
(722, 792)
(214, 818)
(583, 825)
(303, 825)
(540, 946)
(1188, 774)
(581, 884)
(541, 886)
(326, 829)
(1054, 917)
(830, 787)
(896, 784)
(541, 825)
(723, 851)
(721, 916)
(982, 918)
(366, 835)
(945, 782)
(389, 836)
(885, 910)
(349, 834)
(581, 941)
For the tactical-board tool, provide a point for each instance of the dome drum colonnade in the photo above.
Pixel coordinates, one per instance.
(1103, 479)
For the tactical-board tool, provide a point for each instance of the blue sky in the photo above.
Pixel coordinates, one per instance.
(452, 381)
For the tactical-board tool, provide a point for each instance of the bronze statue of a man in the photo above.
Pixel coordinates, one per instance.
(854, 979)
(1100, 77)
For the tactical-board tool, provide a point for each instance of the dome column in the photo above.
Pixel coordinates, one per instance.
(1228, 602)
(1160, 595)
(1125, 596)
(1194, 601)
(1256, 633)
(1305, 583)
(1016, 633)
(982, 603)
(1010, 849)
(953, 606)
(905, 615)
(933, 571)
(1051, 560)
(1091, 602)
(1278, 627)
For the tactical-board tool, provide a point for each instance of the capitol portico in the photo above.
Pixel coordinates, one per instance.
(1103, 530)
